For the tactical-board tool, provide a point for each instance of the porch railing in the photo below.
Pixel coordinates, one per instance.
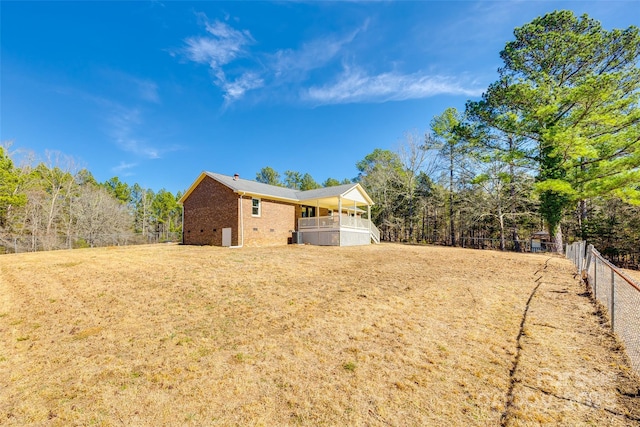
(333, 222)
(375, 233)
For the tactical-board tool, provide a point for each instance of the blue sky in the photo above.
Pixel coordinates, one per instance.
(156, 92)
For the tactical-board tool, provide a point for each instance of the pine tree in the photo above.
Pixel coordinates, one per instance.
(572, 89)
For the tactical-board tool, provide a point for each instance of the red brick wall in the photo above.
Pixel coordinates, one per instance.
(209, 208)
(272, 227)
(212, 206)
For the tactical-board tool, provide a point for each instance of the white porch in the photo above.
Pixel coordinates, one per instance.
(338, 230)
(341, 224)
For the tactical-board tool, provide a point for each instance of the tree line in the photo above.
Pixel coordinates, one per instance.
(553, 144)
(51, 204)
(294, 179)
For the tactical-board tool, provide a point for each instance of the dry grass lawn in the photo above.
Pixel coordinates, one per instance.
(383, 335)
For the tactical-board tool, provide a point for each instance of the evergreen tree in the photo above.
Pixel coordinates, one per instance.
(308, 183)
(572, 89)
(10, 196)
(381, 173)
(331, 182)
(452, 146)
(292, 179)
(120, 190)
(268, 175)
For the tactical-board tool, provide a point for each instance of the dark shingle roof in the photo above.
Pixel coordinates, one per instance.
(254, 187)
(259, 188)
(321, 193)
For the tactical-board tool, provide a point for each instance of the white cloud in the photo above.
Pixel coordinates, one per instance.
(148, 90)
(312, 55)
(237, 88)
(356, 86)
(122, 122)
(130, 86)
(125, 125)
(288, 71)
(222, 46)
(124, 168)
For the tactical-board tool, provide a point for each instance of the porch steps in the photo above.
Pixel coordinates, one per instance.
(375, 234)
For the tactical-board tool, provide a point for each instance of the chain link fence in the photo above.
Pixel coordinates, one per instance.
(28, 243)
(522, 245)
(617, 292)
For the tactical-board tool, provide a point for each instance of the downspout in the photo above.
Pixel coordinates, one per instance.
(182, 224)
(241, 231)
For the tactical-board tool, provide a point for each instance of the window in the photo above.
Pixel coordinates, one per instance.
(255, 207)
(308, 211)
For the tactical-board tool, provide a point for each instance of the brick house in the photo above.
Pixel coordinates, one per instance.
(226, 210)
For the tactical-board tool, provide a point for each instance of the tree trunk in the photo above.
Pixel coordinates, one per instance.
(434, 236)
(451, 221)
(557, 241)
(582, 216)
(410, 217)
(512, 194)
(424, 219)
(501, 221)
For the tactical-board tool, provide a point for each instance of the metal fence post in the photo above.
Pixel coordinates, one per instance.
(588, 258)
(595, 277)
(587, 263)
(613, 300)
(579, 256)
(578, 249)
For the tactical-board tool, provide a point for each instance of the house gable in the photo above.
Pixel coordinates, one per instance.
(208, 208)
(356, 195)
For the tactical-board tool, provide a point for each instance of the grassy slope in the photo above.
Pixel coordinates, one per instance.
(379, 335)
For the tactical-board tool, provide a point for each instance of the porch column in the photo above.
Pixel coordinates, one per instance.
(369, 216)
(355, 214)
(339, 211)
(318, 214)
